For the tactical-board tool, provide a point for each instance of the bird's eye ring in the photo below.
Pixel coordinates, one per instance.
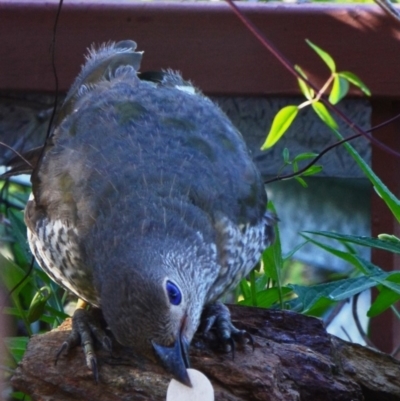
(174, 294)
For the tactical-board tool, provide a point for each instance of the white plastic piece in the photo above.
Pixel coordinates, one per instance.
(201, 389)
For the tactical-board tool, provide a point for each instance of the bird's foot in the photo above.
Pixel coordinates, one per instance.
(217, 327)
(86, 330)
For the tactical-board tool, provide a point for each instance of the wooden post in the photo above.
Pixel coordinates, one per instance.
(385, 329)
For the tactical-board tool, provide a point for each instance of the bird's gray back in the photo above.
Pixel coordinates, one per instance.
(139, 140)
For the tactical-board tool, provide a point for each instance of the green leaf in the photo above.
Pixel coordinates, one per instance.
(252, 277)
(356, 81)
(17, 346)
(312, 170)
(38, 304)
(346, 288)
(18, 395)
(384, 192)
(324, 55)
(320, 307)
(291, 253)
(301, 182)
(11, 274)
(261, 282)
(334, 291)
(268, 297)
(19, 231)
(300, 71)
(389, 238)
(339, 90)
(364, 241)
(272, 258)
(245, 289)
(386, 297)
(280, 124)
(349, 248)
(316, 308)
(285, 154)
(324, 114)
(305, 89)
(56, 313)
(305, 156)
(11, 311)
(389, 282)
(365, 266)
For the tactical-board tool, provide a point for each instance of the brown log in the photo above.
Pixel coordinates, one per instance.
(294, 359)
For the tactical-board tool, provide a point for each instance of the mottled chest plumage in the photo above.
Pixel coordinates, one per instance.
(55, 244)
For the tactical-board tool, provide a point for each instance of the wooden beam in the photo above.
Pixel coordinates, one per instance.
(204, 40)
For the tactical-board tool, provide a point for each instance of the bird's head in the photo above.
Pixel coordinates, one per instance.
(154, 306)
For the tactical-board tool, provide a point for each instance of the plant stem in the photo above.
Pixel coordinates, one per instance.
(253, 288)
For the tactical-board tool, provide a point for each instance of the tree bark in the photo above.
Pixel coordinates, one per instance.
(294, 359)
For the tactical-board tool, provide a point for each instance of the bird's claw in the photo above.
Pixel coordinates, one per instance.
(216, 326)
(85, 331)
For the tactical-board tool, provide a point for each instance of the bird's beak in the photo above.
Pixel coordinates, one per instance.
(175, 359)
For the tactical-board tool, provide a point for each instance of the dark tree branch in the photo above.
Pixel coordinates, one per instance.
(294, 359)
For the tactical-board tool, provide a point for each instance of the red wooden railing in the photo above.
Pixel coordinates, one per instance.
(208, 43)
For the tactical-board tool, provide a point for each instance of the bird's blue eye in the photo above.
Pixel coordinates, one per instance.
(174, 294)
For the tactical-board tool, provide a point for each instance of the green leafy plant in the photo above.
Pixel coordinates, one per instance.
(34, 303)
(264, 287)
(314, 169)
(339, 83)
(387, 283)
(316, 299)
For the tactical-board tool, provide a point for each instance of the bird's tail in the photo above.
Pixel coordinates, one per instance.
(101, 64)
